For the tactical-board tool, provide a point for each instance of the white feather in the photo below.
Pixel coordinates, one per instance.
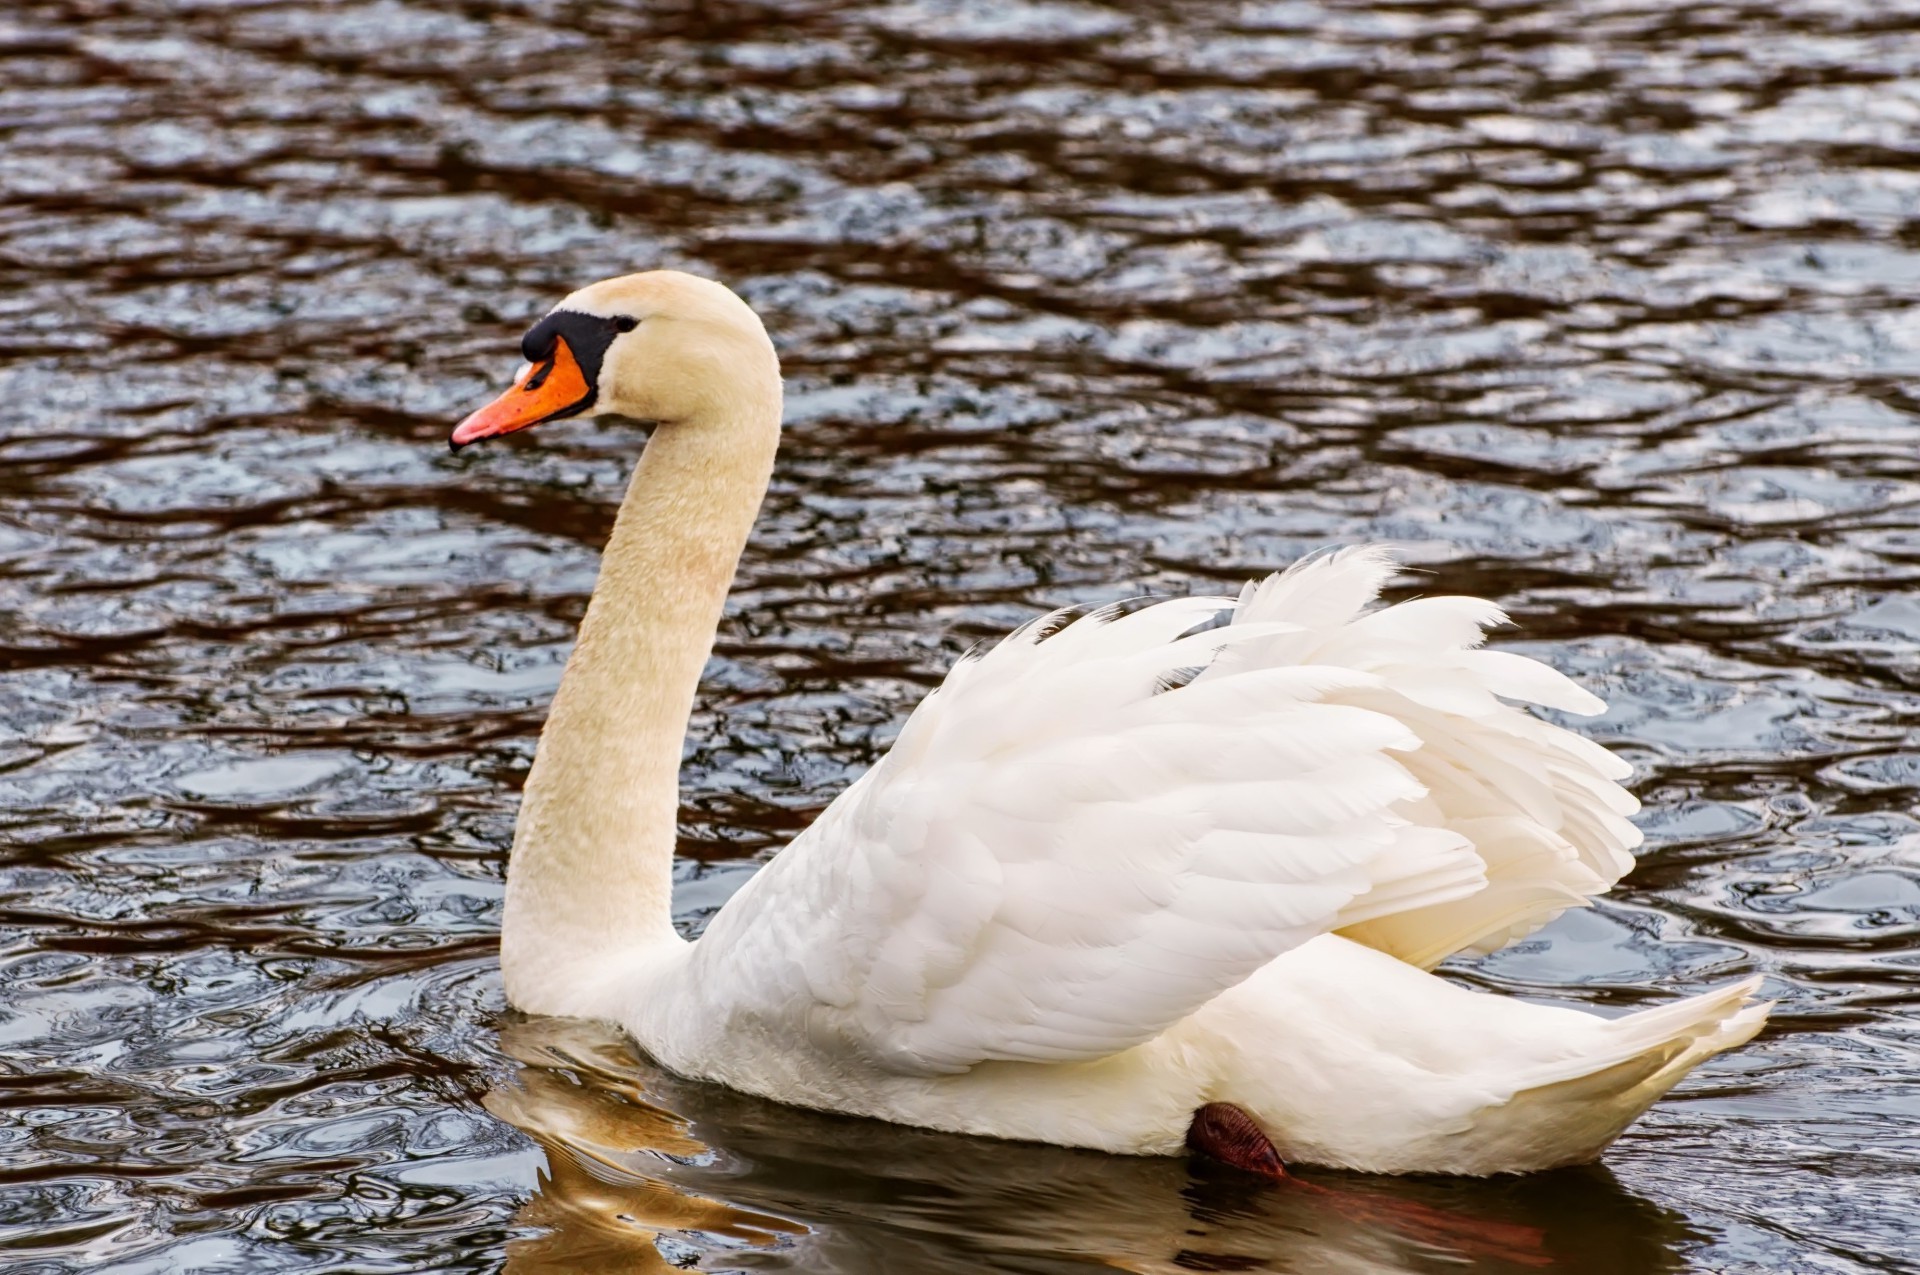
(1090, 889)
(1062, 860)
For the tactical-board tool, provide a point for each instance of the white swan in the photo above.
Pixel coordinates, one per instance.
(1155, 875)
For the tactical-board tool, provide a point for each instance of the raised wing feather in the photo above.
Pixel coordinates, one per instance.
(1089, 832)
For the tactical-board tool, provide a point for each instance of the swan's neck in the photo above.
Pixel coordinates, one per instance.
(590, 882)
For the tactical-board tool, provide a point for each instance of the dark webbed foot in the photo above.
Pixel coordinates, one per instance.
(1223, 1132)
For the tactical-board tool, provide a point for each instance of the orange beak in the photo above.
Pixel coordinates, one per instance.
(541, 392)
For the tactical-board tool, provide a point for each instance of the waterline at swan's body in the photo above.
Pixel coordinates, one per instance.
(1287, 1046)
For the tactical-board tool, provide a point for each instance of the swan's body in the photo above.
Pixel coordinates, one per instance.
(1160, 856)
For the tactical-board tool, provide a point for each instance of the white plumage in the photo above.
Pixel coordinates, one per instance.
(1088, 834)
(1117, 867)
(1061, 858)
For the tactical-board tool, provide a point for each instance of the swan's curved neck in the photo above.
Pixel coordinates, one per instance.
(591, 877)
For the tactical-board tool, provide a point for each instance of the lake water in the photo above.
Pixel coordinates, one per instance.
(1609, 311)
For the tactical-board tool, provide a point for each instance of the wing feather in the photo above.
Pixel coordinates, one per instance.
(1078, 840)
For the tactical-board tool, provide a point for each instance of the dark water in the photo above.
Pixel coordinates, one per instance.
(1609, 311)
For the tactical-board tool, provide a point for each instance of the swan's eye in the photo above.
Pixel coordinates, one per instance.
(624, 323)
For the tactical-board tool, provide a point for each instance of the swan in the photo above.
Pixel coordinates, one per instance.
(1165, 875)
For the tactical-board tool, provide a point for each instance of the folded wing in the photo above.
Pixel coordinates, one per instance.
(1106, 820)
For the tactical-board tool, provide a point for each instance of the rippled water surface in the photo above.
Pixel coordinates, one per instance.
(1607, 310)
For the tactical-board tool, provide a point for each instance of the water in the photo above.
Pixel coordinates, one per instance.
(1608, 311)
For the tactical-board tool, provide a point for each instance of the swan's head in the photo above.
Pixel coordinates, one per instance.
(661, 346)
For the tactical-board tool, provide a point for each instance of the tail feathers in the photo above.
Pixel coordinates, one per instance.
(1663, 1032)
(1579, 1106)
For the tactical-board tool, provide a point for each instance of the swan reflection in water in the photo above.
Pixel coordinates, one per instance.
(648, 1172)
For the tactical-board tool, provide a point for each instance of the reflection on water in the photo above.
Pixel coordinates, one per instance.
(1607, 310)
(643, 1168)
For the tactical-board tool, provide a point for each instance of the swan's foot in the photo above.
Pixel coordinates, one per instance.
(1221, 1131)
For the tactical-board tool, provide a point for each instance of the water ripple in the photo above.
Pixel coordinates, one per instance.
(1606, 312)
